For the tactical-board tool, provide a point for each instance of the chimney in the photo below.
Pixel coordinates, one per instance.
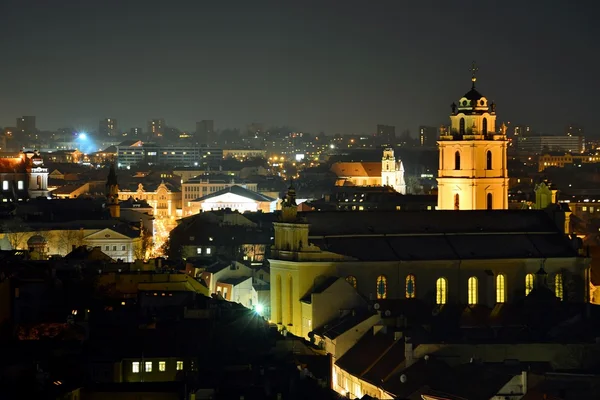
(409, 354)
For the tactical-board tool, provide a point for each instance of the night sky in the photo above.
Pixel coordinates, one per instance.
(332, 66)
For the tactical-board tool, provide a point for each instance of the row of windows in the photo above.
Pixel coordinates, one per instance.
(20, 185)
(114, 248)
(441, 287)
(162, 366)
(488, 160)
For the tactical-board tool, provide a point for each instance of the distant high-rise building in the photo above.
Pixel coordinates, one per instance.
(428, 136)
(156, 127)
(136, 132)
(205, 131)
(256, 129)
(26, 124)
(574, 130)
(108, 127)
(386, 133)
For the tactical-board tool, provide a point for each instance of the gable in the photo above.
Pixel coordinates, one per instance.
(106, 234)
(229, 198)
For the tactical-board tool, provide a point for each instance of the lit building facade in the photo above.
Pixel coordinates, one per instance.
(235, 198)
(203, 185)
(560, 160)
(156, 127)
(473, 172)
(164, 199)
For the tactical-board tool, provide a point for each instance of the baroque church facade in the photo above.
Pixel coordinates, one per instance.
(389, 172)
(476, 253)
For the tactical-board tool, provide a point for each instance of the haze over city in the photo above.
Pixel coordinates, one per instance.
(337, 67)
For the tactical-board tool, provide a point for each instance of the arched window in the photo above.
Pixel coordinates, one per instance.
(484, 127)
(381, 287)
(462, 126)
(410, 286)
(352, 280)
(278, 300)
(488, 160)
(529, 280)
(290, 301)
(558, 285)
(39, 182)
(457, 160)
(472, 288)
(457, 201)
(441, 291)
(500, 289)
(489, 203)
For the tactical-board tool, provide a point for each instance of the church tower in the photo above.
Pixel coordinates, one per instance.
(112, 193)
(392, 171)
(472, 171)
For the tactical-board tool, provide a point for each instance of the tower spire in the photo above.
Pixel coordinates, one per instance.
(474, 70)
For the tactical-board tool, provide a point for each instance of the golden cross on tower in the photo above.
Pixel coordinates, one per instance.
(474, 69)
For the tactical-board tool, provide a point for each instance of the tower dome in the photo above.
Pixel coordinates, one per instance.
(36, 240)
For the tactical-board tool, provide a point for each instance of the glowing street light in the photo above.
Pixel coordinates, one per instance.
(259, 309)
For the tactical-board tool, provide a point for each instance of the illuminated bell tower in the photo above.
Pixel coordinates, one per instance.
(472, 171)
(112, 193)
(388, 168)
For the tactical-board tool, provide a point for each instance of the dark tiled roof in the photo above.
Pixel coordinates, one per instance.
(240, 191)
(426, 222)
(473, 94)
(365, 353)
(235, 281)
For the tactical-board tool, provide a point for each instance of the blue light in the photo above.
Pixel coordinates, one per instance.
(82, 136)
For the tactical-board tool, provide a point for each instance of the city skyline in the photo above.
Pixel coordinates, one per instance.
(319, 68)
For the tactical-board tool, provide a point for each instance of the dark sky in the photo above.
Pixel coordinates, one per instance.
(329, 65)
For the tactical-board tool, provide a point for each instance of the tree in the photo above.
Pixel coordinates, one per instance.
(66, 239)
(16, 232)
(144, 248)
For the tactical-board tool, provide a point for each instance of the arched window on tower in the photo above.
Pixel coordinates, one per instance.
(484, 127)
(352, 280)
(457, 160)
(500, 289)
(490, 204)
(462, 126)
(410, 286)
(441, 291)
(558, 285)
(488, 160)
(39, 181)
(529, 281)
(472, 290)
(381, 287)
(457, 201)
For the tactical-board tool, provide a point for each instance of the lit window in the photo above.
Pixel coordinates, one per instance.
(208, 250)
(584, 208)
(20, 185)
(148, 366)
(381, 287)
(179, 365)
(135, 367)
(441, 289)
(4, 185)
(500, 289)
(472, 288)
(199, 250)
(352, 280)
(162, 366)
(410, 286)
(529, 279)
(558, 285)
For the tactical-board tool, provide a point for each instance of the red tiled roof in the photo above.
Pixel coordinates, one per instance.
(357, 169)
